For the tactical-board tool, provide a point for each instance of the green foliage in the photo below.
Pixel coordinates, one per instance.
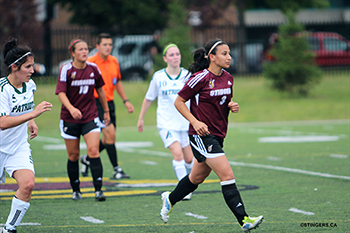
(296, 5)
(130, 15)
(294, 69)
(178, 31)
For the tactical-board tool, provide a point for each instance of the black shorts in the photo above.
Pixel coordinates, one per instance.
(111, 108)
(204, 147)
(73, 131)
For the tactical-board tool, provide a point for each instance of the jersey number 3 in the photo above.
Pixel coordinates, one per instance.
(223, 99)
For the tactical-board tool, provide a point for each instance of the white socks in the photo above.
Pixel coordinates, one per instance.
(18, 210)
(180, 169)
(189, 166)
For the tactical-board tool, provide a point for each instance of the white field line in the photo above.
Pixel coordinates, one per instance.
(298, 139)
(290, 123)
(92, 219)
(295, 210)
(196, 215)
(25, 224)
(147, 162)
(338, 156)
(119, 145)
(286, 169)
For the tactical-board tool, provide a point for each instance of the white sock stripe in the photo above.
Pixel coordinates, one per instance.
(228, 182)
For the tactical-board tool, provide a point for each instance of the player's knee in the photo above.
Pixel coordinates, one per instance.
(28, 187)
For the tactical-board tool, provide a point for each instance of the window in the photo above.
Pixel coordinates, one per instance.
(332, 44)
(314, 43)
(126, 49)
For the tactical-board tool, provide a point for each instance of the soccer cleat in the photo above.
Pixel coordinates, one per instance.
(250, 223)
(84, 165)
(119, 174)
(99, 196)
(187, 197)
(76, 196)
(166, 208)
(4, 230)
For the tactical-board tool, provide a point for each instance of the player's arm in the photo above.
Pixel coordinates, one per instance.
(102, 97)
(145, 105)
(74, 112)
(120, 89)
(7, 121)
(33, 128)
(200, 127)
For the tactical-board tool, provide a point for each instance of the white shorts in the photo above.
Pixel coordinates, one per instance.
(171, 136)
(22, 159)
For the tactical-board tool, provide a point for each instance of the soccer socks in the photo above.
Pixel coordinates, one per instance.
(180, 169)
(18, 210)
(112, 154)
(73, 174)
(183, 188)
(101, 147)
(233, 199)
(189, 166)
(96, 172)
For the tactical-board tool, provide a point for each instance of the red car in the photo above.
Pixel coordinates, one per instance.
(331, 49)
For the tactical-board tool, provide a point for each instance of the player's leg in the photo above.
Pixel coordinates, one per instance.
(20, 202)
(91, 135)
(222, 168)
(187, 151)
(185, 186)
(178, 160)
(72, 147)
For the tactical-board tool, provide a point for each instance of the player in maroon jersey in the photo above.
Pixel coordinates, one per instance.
(210, 92)
(75, 89)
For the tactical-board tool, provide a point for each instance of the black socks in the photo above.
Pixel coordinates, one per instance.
(183, 188)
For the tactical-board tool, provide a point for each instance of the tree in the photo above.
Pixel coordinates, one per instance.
(131, 16)
(294, 69)
(177, 31)
(17, 19)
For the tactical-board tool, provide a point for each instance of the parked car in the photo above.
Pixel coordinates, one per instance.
(253, 58)
(132, 52)
(331, 49)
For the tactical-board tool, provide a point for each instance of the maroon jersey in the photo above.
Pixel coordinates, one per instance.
(210, 95)
(79, 85)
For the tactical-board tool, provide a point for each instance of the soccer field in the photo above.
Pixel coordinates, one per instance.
(296, 174)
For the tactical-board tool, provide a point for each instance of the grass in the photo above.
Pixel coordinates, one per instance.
(272, 177)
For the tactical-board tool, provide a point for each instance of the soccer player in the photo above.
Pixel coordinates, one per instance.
(172, 126)
(17, 115)
(75, 88)
(110, 71)
(210, 92)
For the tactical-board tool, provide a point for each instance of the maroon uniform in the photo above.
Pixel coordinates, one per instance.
(79, 85)
(210, 95)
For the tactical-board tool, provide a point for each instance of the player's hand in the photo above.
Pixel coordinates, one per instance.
(140, 125)
(106, 118)
(42, 107)
(33, 129)
(129, 106)
(76, 114)
(233, 106)
(201, 128)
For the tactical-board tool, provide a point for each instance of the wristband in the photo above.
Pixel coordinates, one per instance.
(127, 100)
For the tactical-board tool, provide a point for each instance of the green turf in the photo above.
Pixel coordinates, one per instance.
(255, 164)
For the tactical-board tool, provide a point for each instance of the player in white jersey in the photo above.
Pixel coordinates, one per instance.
(17, 113)
(172, 126)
